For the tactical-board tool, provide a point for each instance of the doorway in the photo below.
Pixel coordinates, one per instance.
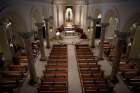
(98, 29)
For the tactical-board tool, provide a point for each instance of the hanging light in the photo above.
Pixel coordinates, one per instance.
(134, 25)
(43, 21)
(130, 44)
(99, 16)
(57, 33)
(51, 29)
(11, 45)
(8, 24)
(88, 29)
(115, 35)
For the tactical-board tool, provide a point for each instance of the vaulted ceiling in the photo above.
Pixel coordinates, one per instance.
(85, 1)
(66, 1)
(5, 3)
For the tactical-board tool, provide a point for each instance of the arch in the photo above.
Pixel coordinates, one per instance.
(134, 18)
(35, 17)
(113, 12)
(133, 38)
(69, 14)
(18, 24)
(111, 17)
(45, 11)
(35, 13)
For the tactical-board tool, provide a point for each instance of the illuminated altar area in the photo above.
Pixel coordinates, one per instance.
(68, 29)
(69, 25)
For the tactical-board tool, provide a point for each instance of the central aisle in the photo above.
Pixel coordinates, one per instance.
(73, 74)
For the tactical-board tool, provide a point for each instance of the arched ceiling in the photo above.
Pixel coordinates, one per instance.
(84, 1)
(7, 3)
(70, 2)
(2, 2)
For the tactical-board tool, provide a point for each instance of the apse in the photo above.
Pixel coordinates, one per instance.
(69, 17)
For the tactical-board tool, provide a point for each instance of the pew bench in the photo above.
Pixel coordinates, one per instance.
(18, 68)
(57, 60)
(89, 66)
(55, 78)
(8, 84)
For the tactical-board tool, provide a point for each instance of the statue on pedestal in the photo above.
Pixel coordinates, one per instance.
(69, 18)
(69, 15)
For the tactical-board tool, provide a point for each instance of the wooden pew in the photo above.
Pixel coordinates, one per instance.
(10, 80)
(7, 85)
(18, 68)
(92, 78)
(55, 79)
(89, 66)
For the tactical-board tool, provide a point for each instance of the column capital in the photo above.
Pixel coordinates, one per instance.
(95, 19)
(26, 35)
(116, 31)
(47, 19)
(39, 25)
(104, 24)
(92, 19)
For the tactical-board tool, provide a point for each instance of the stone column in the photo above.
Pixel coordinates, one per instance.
(121, 38)
(131, 40)
(42, 49)
(103, 28)
(93, 33)
(9, 34)
(80, 16)
(115, 64)
(47, 34)
(4, 45)
(28, 46)
(57, 16)
(114, 42)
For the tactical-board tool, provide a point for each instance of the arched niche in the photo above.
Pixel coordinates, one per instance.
(45, 11)
(134, 18)
(18, 24)
(69, 16)
(10, 39)
(35, 17)
(111, 17)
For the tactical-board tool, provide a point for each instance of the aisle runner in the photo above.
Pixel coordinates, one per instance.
(73, 74)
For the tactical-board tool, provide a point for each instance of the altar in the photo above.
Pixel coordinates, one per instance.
(69, 28)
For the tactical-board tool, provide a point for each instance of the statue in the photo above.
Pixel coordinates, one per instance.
(69, 15)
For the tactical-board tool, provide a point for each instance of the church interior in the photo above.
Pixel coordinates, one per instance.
(69, 46)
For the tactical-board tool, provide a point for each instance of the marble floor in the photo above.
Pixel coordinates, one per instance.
(73, 75)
